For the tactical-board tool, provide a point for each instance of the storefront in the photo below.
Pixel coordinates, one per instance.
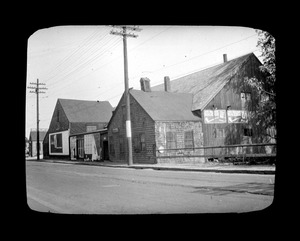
(89, 146)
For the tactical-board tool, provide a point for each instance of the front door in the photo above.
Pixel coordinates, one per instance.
(80, 148)
(105, 150)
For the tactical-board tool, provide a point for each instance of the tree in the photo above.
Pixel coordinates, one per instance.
(264, 117)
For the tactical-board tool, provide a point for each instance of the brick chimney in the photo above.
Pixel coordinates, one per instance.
(145, 84)
(225, 58)
(167, 84)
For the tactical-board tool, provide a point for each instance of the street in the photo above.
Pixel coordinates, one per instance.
(80, 189)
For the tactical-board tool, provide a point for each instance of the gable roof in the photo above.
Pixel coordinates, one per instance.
(166, 106)
(33, 135)
(86, 111)
(205, 84)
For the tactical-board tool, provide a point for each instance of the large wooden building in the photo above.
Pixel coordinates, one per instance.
(71, 117)
(210, 107)
(224, 101)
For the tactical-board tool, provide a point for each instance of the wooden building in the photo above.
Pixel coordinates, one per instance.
(73, 117)
(33, 141)
(224, 102)
(159, 120)
(211, 107)
(89, 146)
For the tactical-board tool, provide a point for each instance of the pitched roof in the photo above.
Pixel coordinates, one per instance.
(86, 111)
(33, 135)
(165, 106)
(205, 84)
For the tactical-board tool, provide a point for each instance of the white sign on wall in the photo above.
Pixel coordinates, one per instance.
(237, 116)
(214, 116)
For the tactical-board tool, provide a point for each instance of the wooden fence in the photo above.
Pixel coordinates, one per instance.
(258, 150)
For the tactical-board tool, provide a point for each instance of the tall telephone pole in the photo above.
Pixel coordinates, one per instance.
(124, 34)
(37, 91)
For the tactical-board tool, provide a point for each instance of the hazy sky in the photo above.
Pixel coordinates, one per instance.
(86, 62)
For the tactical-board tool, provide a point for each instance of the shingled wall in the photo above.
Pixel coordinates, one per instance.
(141, 123)
(179, 128)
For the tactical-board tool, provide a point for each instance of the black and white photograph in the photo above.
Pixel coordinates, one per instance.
(150, 119)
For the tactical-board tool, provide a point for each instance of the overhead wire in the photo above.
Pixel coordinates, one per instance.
(95, 57)
(81, 64)
(81, 67)
(74, 60)
(67, 57)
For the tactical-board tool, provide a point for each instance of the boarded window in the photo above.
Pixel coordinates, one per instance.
(189, 139)
(171, 140)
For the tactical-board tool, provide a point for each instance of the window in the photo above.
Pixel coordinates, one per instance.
(142, 142)
(56, 143)
(248, 132)
(58, 140)
(189, 139)
(171, 140)
(139, 142)
(245, 99)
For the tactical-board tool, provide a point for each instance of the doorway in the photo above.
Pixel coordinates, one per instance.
(105, 150)
(80, 148)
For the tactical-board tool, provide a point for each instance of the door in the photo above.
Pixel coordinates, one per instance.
(80, 148)
(105, 150)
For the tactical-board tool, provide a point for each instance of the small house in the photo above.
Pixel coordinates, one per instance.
(159, 120)
(72, 117)
(33, 141)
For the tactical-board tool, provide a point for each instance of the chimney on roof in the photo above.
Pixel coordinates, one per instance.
(145, 84)
(225, 58)
(167, 84)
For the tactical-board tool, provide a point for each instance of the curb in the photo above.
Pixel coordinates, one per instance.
(160, 168)
(241, 171)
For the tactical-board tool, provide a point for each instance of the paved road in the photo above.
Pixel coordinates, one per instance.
(68, 188)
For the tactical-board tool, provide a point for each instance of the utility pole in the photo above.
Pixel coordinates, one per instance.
(37, 91)
(124, 34)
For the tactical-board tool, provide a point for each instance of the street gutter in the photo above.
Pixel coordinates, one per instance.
(216, 169)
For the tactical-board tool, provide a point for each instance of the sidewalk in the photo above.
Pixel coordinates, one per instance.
(201, 167)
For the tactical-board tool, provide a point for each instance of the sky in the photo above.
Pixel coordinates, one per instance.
(87, 63)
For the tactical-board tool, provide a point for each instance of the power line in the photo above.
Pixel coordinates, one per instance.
(200, 55)
(73, 61)
(37, 91)
(81, 67)
(79, 48)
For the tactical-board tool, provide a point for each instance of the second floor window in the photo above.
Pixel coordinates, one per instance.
(245, 100)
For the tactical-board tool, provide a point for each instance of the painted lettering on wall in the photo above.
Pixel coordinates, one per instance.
(214, 116)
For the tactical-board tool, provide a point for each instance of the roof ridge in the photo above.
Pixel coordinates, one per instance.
(213, 66)
(83, 100)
